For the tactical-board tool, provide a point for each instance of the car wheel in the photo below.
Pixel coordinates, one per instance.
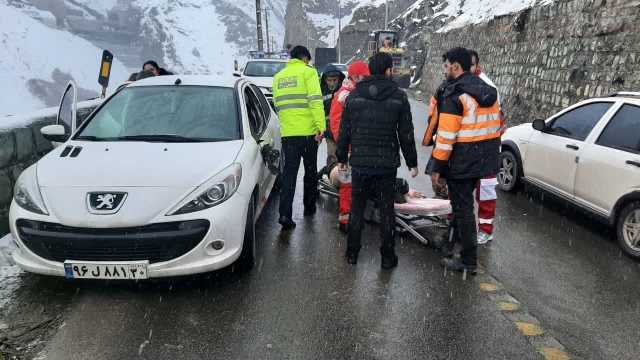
(628, 229)
(509, 174)
(248, 255)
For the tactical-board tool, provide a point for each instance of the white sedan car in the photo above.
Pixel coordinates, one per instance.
(587, 154)
(166, 178)
(261, 73)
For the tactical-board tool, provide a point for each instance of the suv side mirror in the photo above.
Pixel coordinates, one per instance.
(55, 133)
(539, 125)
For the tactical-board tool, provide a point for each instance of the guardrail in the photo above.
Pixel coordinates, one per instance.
(22, 144)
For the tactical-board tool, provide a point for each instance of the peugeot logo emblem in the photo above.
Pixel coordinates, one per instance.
(105, 202)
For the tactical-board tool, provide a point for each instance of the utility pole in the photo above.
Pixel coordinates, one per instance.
(339, 29)
(386, 14)
(266, 24)
(259, 25)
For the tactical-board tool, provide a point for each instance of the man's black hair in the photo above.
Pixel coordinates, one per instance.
(474, 54)
(152, 63)
(379, 63)
(459, 55)
(300, 52)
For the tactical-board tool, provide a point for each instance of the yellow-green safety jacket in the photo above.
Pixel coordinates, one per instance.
(298, 100)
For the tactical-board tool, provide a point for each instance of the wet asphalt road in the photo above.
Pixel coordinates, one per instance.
(304, 302)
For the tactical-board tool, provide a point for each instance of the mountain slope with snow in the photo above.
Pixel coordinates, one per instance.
(37, 61)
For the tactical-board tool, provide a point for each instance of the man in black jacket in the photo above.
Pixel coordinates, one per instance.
(376, 124)
(467, 148)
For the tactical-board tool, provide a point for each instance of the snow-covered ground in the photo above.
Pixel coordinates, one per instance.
(31, 50)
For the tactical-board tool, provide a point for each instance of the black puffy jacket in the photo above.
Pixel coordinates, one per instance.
(376, 123)
(327, 94)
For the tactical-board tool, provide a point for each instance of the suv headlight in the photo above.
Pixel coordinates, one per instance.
(27, 194)
(213, 192)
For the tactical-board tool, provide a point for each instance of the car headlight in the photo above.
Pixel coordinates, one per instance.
(27, 194)
(213, 192)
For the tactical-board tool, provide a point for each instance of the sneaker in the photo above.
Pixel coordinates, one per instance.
(484, 238)
(352, 257)
(287, 224)
(455, 264)
(344, 228)
(389, 261)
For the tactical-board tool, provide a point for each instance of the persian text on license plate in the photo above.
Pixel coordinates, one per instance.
(98, 270)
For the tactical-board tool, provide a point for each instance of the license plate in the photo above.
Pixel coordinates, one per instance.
(99, 270)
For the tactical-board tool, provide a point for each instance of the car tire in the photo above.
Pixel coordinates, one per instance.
(248, 255)
(509, 173)
(628, 229)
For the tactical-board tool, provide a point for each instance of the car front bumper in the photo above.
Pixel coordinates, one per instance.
(227, 223)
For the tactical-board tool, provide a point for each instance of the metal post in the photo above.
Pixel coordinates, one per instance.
(266, 24)
(259, 25)
(339, 30)
(386, 14)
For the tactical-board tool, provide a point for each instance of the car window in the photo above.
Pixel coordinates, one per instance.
(578, 123)
(264, 104)
(254, 112)
(623, 130)
(263, 68)
(197, 113)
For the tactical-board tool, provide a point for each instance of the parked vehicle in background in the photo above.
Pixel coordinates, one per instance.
(261, 73)
(587, 154)
(167, 177)
(388, 41)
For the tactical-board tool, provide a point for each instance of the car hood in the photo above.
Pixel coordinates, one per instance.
(261, 81)
(136, 164)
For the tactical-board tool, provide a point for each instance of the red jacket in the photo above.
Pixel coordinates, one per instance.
(337, 106)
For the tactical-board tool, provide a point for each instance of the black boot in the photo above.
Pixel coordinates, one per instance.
(287, 223)
(344, 228)
(455, 264)
(352, 257)
(389, 260)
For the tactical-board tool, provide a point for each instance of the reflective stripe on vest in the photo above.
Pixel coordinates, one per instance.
(478, 123)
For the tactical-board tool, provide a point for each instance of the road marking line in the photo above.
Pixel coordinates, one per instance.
(488, 287)
(550, 353)
(513, 310)
(508, 306)
(529, 329)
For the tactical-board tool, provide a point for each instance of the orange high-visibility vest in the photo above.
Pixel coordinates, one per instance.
(475, 125)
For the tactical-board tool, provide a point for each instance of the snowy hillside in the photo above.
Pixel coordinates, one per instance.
(323, 14)
(37, 61)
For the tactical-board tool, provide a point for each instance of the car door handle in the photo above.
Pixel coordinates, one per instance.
(573, 147)
(634, 163)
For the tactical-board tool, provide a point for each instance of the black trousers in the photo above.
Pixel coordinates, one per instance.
(365, 187)
(464, 219)
(295, 148)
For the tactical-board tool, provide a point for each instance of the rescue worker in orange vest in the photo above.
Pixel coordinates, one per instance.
(466, 149)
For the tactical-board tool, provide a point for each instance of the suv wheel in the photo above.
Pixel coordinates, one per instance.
(509, 173)
(628, 229)
(248, 256)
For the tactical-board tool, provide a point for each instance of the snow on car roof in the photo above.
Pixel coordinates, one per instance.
(197, 80)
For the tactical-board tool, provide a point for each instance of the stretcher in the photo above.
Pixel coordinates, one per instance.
(417, 214)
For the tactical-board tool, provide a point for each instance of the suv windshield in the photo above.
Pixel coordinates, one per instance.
(263, 68)
(166, 114)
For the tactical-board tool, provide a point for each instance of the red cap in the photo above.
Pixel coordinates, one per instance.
(358, 68)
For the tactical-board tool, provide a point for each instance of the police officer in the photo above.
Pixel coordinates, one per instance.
(298, 100)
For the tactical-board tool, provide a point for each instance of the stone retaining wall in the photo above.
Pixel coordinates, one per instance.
(546, 58)
(21, 145)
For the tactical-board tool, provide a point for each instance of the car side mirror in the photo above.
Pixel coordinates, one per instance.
(539, 125)
(55, 133)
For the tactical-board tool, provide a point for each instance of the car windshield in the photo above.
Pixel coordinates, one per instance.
(166, 114)
(263, 68)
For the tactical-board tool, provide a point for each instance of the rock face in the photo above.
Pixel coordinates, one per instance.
(546, 58)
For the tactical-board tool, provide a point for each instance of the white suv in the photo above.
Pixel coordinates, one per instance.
(588, 154)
